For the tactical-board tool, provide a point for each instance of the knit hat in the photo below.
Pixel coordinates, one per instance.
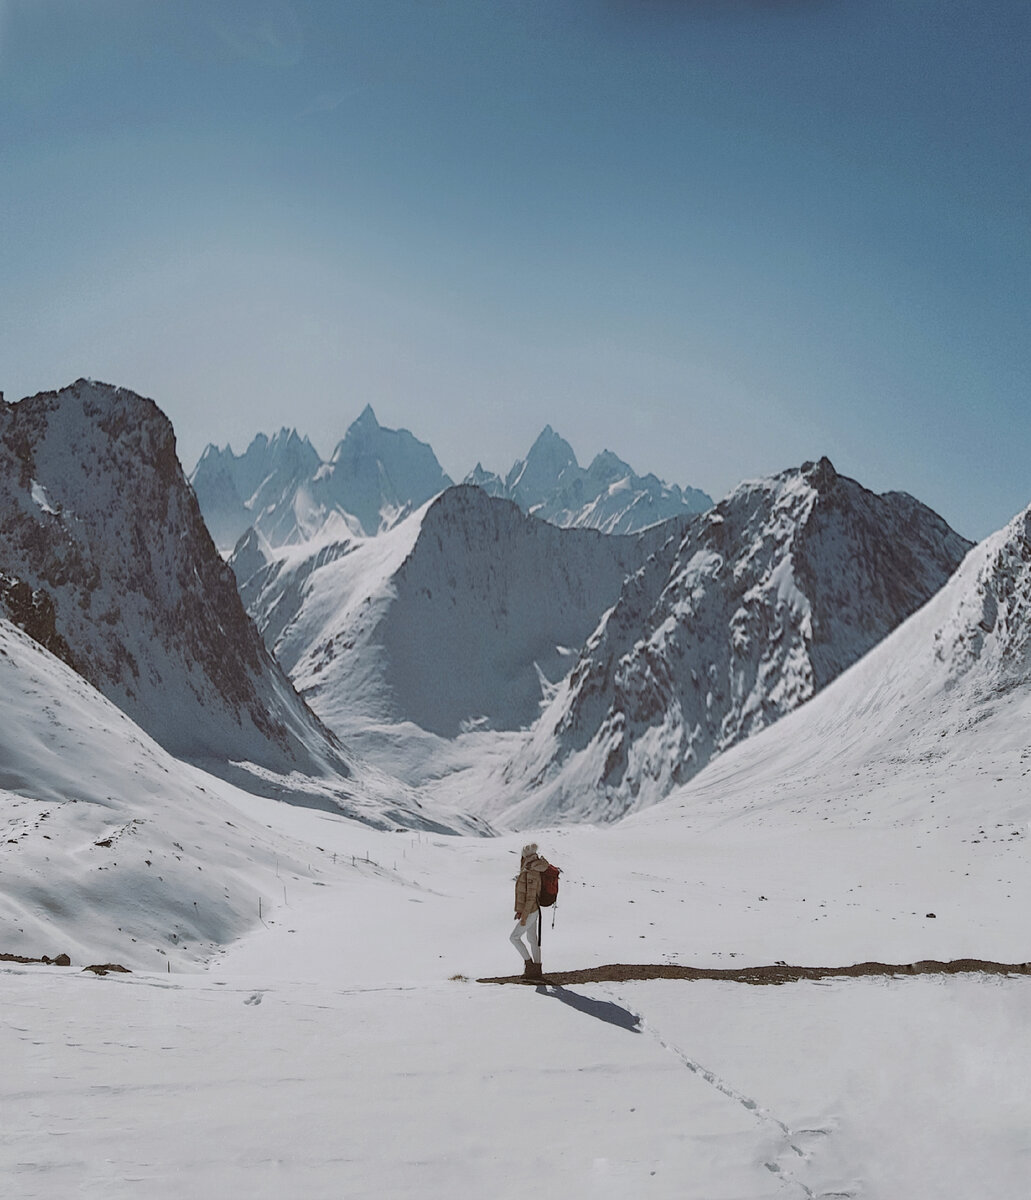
(529, 850)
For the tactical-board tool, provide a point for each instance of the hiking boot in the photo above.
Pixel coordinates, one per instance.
(532, 970)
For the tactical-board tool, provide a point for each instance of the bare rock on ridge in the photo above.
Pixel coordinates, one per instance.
(765, 600)
(101, 537)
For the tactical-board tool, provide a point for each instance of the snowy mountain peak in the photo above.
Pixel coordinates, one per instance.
(461, 617)
(532, 479)
(608, 467)
(288, 441)
(378, 475)
(766, 599)
(607, 496)
(282, 487)
(821, 475)
(366, 419)
(100, 519)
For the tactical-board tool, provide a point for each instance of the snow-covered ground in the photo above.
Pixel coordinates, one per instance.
(304, 1017)
(332, 1052)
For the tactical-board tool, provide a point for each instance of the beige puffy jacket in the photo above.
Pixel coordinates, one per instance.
(528, 886)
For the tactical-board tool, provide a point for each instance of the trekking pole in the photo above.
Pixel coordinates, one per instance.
(540, 929)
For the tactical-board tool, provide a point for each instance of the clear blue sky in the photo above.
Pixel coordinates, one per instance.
(716, 236)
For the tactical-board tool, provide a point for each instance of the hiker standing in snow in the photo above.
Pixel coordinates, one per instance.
(527, 909)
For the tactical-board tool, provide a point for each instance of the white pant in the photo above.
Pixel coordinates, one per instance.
(530, 930)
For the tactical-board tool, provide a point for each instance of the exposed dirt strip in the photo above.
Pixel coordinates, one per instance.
(779, 973)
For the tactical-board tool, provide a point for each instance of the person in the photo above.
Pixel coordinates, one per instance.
(527, 890)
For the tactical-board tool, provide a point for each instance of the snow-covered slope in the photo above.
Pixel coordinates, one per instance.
(111, 849)
(463, 615)
(607, 495)
(282, 488)
(907, 1085)
(934, 721)
(850, 831)
(766, 599)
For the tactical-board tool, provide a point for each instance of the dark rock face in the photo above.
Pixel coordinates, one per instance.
(32, 610)
(765, 600)
(112, 567)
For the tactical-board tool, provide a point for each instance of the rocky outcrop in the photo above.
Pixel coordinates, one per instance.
(107, 562)
(764, 601)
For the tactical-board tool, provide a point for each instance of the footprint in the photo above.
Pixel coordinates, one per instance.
(254, 998)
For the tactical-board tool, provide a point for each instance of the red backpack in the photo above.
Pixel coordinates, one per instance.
(549, 886)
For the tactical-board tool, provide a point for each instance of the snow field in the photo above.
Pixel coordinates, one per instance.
(329, 1053)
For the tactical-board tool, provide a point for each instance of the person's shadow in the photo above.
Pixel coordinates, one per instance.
(603, 1010)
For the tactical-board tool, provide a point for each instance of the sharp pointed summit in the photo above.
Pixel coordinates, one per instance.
(608, 496)
(283, 488)
(766, 599)
(366, 420)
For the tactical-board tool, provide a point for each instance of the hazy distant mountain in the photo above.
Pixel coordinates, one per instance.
(375, 476)
(266, 485)
(607, 495)
(765, 600)
(378, 475)
(283, 489)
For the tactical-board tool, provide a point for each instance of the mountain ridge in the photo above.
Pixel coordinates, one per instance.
(770, 595)
(285, 490)
(375, 476)
(105, 558)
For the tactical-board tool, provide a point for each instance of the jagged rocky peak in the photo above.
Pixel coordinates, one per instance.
(282, 487)
(821, 475)
(377, 475)
(607, 496)
(98, 516)
(235, 490)
(533, 478)
(486, 480)
(365, 428)
(366, 420)
(768, 597)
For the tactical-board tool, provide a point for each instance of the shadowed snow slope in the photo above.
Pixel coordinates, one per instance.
(111, 848)
(464, 615)
(933, 721)
(766, 599)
